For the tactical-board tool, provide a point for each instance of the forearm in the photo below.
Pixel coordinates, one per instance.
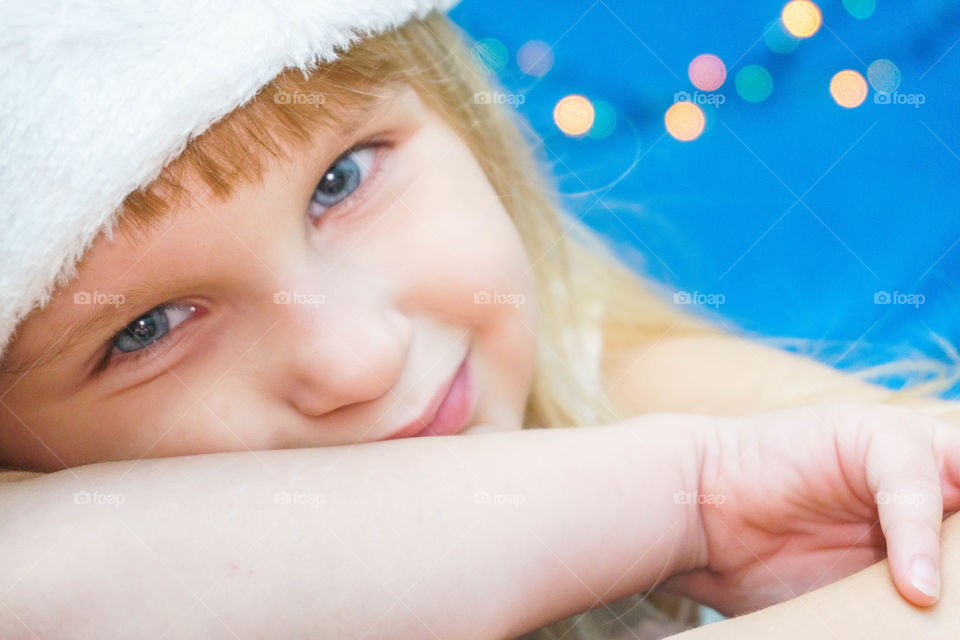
(395, 539)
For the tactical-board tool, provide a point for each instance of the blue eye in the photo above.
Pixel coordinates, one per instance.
(151, 327)
(342, 179)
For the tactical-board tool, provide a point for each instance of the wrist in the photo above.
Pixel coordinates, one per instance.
(680, 445)
(707, 437)
(703, 433)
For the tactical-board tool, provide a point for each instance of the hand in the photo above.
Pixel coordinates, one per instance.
(790, 500)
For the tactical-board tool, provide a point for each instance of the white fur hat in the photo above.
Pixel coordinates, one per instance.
(96, 97)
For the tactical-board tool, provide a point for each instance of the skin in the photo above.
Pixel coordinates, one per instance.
(725, 375)
(244, 373)
(859, 606)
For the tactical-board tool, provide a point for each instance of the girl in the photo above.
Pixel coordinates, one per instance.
(365, 252)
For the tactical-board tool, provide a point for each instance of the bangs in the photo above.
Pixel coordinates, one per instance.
(289, 113)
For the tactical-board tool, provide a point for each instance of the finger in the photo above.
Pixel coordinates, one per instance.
(904, 478)
(946, 446)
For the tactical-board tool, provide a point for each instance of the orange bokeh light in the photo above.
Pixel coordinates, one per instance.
(574, 115)
(848, 88)
(685, 121)
(801, 18)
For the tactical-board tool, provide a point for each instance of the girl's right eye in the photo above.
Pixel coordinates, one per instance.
(150, 328)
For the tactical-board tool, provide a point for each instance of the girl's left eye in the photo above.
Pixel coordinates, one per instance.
(342, 179)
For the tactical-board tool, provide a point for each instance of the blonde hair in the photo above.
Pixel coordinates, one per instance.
(584, 291)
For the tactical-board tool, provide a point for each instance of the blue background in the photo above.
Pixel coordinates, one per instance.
(796, 210)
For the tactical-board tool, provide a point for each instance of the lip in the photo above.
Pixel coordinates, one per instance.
(448, 411)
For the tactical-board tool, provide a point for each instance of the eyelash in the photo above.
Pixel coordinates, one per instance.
(111, 359)
(361, 194)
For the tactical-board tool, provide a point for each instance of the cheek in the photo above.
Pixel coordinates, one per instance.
(161, 419)
(173, 415)
(447, 237)
(73, 431)
(464, 256)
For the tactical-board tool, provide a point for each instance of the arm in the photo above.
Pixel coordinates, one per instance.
(863, 605)
(727, 375)
(488, 535)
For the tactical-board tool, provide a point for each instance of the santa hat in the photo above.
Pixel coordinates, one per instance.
(97, 97)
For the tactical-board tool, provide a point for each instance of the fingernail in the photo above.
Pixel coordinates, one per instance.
(924, 576)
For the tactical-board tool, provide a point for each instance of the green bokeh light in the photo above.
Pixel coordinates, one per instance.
(754, 83)
(860, 8)
(492, 53)
(778, 39)
(604, 120)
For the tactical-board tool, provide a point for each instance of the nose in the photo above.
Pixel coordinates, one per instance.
(341, 350)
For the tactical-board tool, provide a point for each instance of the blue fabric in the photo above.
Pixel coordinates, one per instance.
(797, 211)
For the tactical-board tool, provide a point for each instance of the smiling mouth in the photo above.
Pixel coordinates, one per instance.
(448, 411)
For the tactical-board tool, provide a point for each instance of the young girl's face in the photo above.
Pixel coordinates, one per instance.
(327, 305)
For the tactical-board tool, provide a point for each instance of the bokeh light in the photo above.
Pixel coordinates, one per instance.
(848, 88)
(685, 121)
(535, 58)
(492, 53)
(707, 72)
(604, 121)
(754, 83)
(860, 8)
(884, 76)
(778, 39)
(801, 18)
(574, 115)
